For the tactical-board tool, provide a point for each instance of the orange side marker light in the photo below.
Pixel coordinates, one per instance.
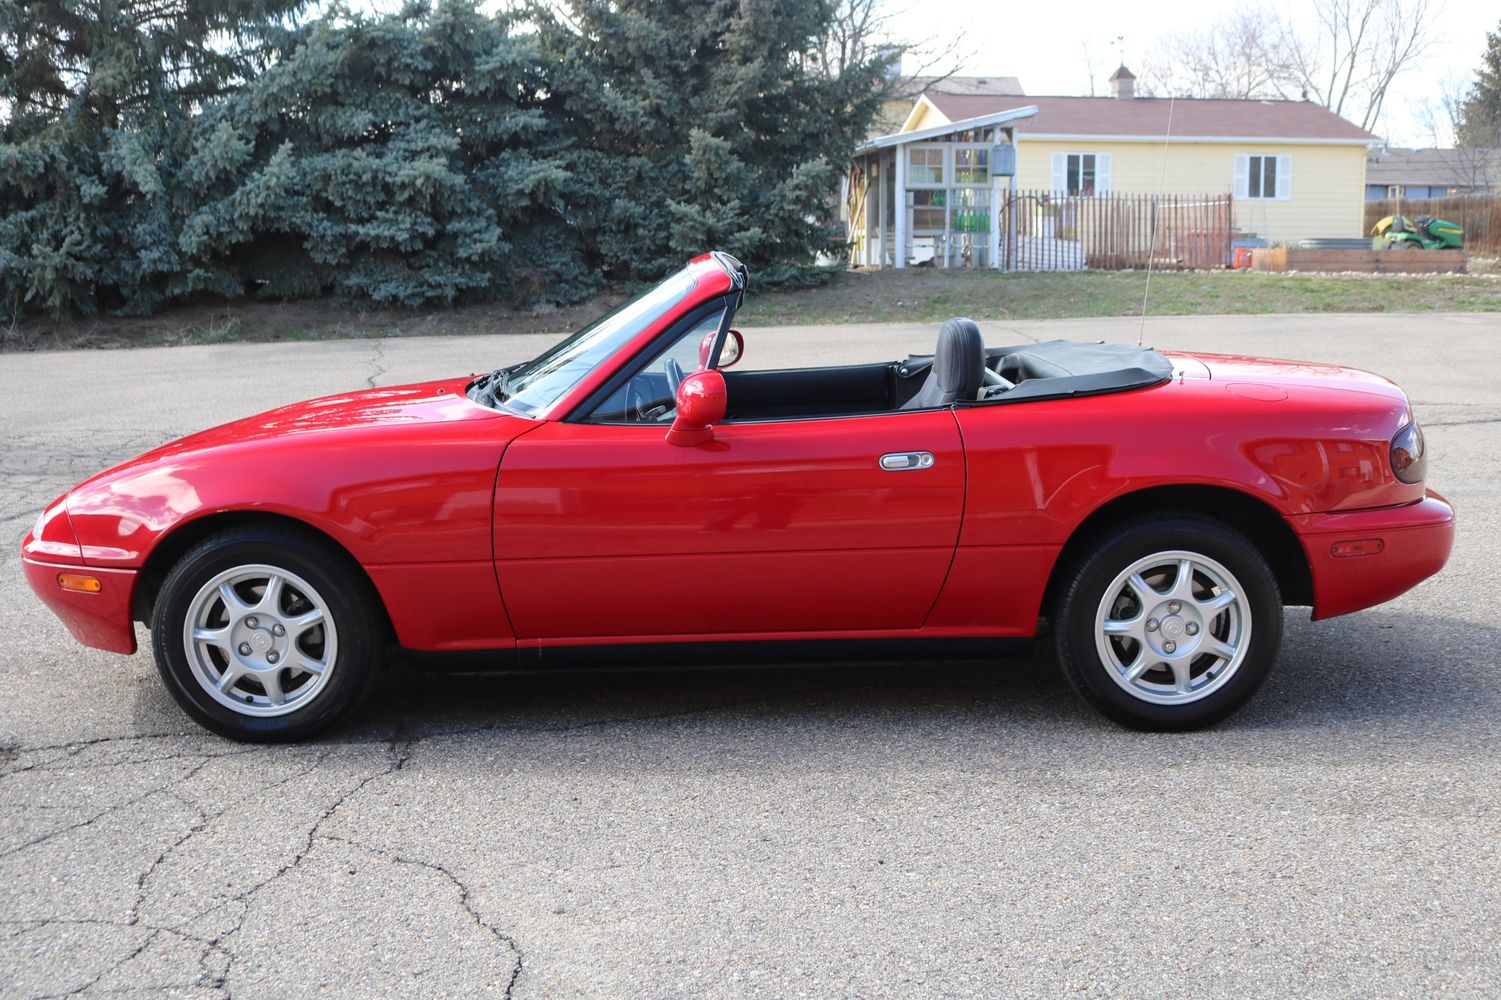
(1364, 547)
(80, 583)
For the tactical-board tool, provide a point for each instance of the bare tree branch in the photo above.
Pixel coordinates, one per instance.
(866, 29)
(1091, 67)
(1347, 61)
(1358, 49)
(1472, 166)
(1241, 55)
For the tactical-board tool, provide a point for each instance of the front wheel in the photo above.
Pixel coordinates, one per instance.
(266, 634)
(1169, 623)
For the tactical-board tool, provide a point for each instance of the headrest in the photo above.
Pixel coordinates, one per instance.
(959, 358)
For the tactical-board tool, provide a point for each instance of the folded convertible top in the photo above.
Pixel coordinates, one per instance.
(1063, 368)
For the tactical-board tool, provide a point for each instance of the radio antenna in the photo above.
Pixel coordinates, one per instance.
(1152, 239)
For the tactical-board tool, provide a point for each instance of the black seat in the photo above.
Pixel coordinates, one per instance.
(958, 366)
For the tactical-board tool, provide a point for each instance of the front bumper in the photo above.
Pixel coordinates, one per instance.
(99, 620)
(1400, 547)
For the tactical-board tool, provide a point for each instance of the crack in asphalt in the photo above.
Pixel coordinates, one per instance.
(75, 747)
(465, 893)
(1013, 332)
(154, 933)
(375, 362)
(1427, 424)
(69, 762)
(205, 818)
(131, 956)
(399, 753)
(219, 945)
(115, 807)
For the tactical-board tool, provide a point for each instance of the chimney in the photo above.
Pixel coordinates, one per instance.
(1123, 84)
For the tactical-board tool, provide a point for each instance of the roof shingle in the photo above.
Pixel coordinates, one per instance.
(967, 85)
(1147, 117)
(1434, 167)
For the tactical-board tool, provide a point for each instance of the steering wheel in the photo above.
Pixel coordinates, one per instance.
(674, 373)
(655, 410)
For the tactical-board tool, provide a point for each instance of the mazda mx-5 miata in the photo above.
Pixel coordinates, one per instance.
(1152, 512)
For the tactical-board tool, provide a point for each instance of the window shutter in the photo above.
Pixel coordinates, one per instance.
(1060, 172)
(1242, 175)
(1284, 178)
(1102, 173)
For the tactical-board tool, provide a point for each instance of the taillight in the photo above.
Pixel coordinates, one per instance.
(1409, 456)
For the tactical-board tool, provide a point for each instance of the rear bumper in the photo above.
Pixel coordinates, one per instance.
(99, 620)
(1412, 542)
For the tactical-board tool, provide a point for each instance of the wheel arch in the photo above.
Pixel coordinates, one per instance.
(175, 544)
(1262, 525)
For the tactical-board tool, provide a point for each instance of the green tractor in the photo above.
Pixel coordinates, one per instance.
(1423, 233)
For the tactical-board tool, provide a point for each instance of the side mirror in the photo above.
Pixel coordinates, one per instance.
(734, 346)
(701, 402)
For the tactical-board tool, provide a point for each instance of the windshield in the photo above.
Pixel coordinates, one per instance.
(540, 382)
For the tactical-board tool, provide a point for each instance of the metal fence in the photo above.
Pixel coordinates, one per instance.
(1058, 231)
(1479, 214)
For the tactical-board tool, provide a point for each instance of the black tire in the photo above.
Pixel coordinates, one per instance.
(1096, 570)
(351, 603)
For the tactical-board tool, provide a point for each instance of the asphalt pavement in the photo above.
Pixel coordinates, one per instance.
(867, 830)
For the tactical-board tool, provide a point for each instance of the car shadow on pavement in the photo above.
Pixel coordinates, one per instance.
(1379, 669)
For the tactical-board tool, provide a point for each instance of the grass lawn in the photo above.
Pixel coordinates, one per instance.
(922, 295)
(915, 295)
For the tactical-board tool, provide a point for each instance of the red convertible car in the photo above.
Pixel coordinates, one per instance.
(1152, 512)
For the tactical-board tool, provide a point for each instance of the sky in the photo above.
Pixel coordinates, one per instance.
(1044, 45)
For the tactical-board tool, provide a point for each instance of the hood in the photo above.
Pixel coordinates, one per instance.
(409, 462)
(366, 409)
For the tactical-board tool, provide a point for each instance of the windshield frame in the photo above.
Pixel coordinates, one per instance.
(726, 304)
(711, 275)
(534, 387)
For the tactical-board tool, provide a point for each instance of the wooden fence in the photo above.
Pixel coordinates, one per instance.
(1057, 231)
(1479, 214)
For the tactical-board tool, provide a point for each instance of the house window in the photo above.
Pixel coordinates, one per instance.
(924, 165)
(1081, 173)
(929, 209)
(972, 166)
(1262, 177)
(1394, 191)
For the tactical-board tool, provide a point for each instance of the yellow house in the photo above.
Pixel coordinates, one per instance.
(1295, 169)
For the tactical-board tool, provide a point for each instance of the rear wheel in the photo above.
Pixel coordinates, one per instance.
(1170, 623)
(266, 634)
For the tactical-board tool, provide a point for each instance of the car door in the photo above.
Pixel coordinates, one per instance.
(795, 526)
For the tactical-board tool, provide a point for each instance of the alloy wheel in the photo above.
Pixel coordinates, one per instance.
(1173, 627)
(260, 640)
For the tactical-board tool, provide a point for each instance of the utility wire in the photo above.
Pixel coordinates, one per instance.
(1152, 240)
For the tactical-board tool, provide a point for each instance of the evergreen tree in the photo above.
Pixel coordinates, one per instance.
(397, 159)
(702, 124)
(154, 150)
(95, 96)
(1480, 123)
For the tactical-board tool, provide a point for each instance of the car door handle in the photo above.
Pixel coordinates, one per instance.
(907, 461)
